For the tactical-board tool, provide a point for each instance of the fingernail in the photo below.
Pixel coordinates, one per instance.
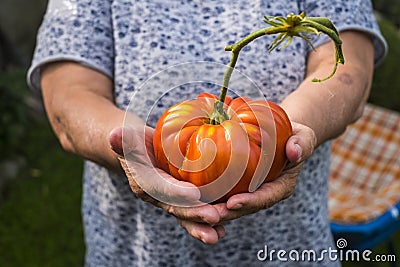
(299, 151)
(237, 206)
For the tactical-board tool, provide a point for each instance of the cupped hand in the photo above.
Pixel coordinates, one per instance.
(180, 199)
(200, 220)
(299, 147)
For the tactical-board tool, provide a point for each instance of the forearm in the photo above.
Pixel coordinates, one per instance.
(85, 131)
(330, 106)
(80, 107)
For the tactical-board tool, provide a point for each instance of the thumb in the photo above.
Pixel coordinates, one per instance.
(301, 144)
(115, 140)
(124, 140)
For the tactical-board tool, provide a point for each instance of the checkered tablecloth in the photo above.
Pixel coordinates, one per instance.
(365, 167)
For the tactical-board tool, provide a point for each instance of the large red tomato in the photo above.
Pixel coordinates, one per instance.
(235, 156)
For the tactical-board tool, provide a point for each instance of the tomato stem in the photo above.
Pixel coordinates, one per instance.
(236, 48)
(289, 27)
(219, 115)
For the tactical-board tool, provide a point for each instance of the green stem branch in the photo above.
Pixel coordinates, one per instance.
(287, 28)
(236, 48)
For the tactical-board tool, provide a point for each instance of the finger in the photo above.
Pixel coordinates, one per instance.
(133, 143)
(124, 140)
(202, 214)
(193, 211)
(293, 150)
(225, 213)
(235, 212)
(301, 144)
(267, 195)
(184, 195)
(142, 173)
(203, 232)
(115, 140)
(161, 186)
(157, 187)
(220, 231)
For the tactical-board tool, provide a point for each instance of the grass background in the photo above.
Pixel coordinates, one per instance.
(40, 219)
(40, 213)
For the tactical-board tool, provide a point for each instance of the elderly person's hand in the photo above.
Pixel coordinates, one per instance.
(299, 147)
(204, 221)
(178, 198)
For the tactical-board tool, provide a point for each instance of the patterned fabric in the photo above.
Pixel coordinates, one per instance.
(365, 178)
(130, 41)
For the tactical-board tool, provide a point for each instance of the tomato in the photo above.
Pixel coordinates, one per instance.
(234, 156)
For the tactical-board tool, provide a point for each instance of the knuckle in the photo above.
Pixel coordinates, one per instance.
(170, 210)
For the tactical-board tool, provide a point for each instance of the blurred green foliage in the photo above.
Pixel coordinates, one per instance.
(40, 217)
(40, 214)
(390, 8)
(14, 113)
(386, 84)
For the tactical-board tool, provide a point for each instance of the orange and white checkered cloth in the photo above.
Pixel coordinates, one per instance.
(365, 167)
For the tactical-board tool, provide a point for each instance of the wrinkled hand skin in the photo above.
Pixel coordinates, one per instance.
(200, 221)
(205, 222)
(298, 148)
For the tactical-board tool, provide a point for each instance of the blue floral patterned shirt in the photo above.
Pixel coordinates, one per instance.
(130, 41)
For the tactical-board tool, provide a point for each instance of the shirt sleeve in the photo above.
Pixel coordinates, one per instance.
(80, 31)
(349, 15)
